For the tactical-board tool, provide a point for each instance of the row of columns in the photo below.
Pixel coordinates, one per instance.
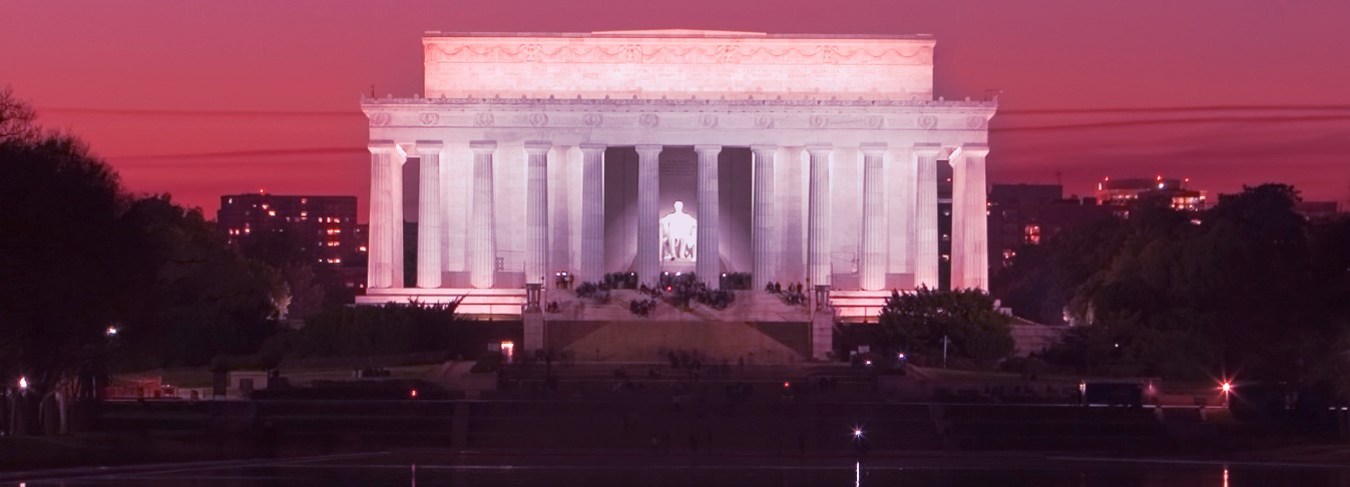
(969, 264)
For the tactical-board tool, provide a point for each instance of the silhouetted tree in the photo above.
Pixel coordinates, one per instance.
(915, 323)
(68, 264)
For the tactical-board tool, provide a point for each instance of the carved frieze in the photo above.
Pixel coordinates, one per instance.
(672, 53)
(428, 118)
(649, 120)
(927, 122)
(379, 119)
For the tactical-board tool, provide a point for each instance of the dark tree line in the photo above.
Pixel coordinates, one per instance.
(81, 255)
(1248, 289)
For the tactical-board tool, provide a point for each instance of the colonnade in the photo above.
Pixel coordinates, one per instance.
(969, 232)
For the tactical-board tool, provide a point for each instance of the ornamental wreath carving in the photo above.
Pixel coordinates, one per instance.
(927, 122)
(649, 120)
(379, 119)
(708, 120)
(819, 121)
(538, 120)
(875, 121)
(975, 122)
(764, 121)
(428, 118)
(482, 119)
(592, 119)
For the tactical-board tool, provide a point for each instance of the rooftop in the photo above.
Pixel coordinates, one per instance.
(676, 33)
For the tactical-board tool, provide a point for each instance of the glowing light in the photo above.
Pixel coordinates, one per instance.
(1226, 387)
(900, 356)
(23, 382)
(857, 432)
(787, 385)
(867, 363)
(412, 394)
(1160, 185)
(111, 331)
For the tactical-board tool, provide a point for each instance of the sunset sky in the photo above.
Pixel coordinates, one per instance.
(200, 98)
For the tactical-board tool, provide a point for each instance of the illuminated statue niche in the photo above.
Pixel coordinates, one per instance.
(679, 236)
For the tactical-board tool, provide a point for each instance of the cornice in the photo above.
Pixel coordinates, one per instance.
(685, 114)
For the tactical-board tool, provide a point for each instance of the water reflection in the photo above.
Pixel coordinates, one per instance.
(745, 472)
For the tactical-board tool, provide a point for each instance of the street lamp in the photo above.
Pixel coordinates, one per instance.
(23, 383)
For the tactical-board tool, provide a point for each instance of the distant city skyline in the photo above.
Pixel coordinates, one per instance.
(218, 99)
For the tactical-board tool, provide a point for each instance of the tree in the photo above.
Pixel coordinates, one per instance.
(916, 323)
(204, 298)
(69, 266)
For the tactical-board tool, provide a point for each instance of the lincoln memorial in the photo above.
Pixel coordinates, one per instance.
(819, 160)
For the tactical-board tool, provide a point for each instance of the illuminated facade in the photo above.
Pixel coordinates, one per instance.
(795, 158)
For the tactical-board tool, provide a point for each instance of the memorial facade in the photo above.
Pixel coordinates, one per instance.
(795, 158)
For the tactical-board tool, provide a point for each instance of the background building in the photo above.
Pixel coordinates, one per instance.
(322, 228)
(1030, 214)
(1123, 194)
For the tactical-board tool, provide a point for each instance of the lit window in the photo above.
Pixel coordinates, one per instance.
(1032, 233)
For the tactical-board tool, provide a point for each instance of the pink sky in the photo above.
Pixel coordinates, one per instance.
(203, 98)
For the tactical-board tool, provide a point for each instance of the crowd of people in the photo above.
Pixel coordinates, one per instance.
(794, 294)
(681, 291)
(642, 307)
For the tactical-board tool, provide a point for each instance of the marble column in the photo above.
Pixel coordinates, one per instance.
(818, 216)
(926, 216)
(764, 243)
(482, 240)
(379, 272)
(900, 214)
(648, 260)
(708, 260)
(971, 244)
(397, 249)
(536, 211)
(592, 212)
(874, 260)
(791, 217)
(429, 220)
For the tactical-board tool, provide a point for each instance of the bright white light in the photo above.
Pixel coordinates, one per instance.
(1226, 387)
(23, 382)
(900, 356)
(112, 331)
(867, 363)
(857, 432)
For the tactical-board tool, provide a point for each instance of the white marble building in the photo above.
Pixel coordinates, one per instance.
(800, 158)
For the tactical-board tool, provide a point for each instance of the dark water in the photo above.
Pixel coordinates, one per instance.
(431, 469)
